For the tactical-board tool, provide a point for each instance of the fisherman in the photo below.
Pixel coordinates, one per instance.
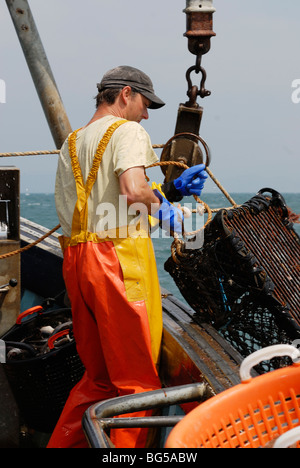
(109, 266)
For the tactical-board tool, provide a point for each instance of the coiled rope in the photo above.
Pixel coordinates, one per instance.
(177, 243)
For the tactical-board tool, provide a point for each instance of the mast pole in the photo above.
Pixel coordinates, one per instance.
(40, 70)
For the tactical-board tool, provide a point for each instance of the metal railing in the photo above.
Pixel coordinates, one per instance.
(99, 418)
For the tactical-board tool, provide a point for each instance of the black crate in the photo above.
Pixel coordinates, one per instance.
(41, 384)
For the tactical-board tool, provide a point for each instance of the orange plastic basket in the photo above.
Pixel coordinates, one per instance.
(249, 415)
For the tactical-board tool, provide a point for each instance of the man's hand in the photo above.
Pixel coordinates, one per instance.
(170, 218)
(191, 181)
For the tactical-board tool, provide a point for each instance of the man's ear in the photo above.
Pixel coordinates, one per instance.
(125, 94)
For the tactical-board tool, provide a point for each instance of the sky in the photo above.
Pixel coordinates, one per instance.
(250, 122)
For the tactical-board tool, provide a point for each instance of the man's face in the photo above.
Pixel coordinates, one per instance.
(137, 107)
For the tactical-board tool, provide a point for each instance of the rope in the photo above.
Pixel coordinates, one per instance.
(211, 175)
(220, 187)
(177, 243)
(38, 153)
(28, 153)
(27, 247)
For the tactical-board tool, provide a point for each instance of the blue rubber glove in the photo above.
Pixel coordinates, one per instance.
(191, 181)
(170, 218)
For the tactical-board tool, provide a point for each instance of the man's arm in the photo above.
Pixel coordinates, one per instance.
(134, 185)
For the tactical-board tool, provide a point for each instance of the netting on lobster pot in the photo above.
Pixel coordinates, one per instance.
(245, 279)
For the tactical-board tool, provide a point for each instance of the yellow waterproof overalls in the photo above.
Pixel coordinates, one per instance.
(117, 315)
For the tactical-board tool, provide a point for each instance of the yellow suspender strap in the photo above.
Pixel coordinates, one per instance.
(83, 190)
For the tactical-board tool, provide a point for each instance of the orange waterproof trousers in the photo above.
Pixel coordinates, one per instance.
(117, 315)
(113, 339)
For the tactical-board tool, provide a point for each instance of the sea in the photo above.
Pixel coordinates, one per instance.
(40, 208)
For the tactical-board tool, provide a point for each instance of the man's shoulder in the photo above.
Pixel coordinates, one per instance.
(132, 127)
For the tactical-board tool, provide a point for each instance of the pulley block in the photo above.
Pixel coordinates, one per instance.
(184, 147)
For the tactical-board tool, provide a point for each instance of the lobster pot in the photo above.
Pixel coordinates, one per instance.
(245, 279)
(41, 383)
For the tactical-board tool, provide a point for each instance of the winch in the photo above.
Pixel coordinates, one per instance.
(183, 146)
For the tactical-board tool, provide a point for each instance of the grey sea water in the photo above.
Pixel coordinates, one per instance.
(40, 208)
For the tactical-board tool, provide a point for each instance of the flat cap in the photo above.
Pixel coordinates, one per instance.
(129, 76)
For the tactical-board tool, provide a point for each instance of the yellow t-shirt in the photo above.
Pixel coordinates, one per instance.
(130, 146)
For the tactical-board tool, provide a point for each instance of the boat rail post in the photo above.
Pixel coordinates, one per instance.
(40, 70)
(10, 266)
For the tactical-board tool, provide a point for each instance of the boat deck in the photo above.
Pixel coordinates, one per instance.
(195, 352)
